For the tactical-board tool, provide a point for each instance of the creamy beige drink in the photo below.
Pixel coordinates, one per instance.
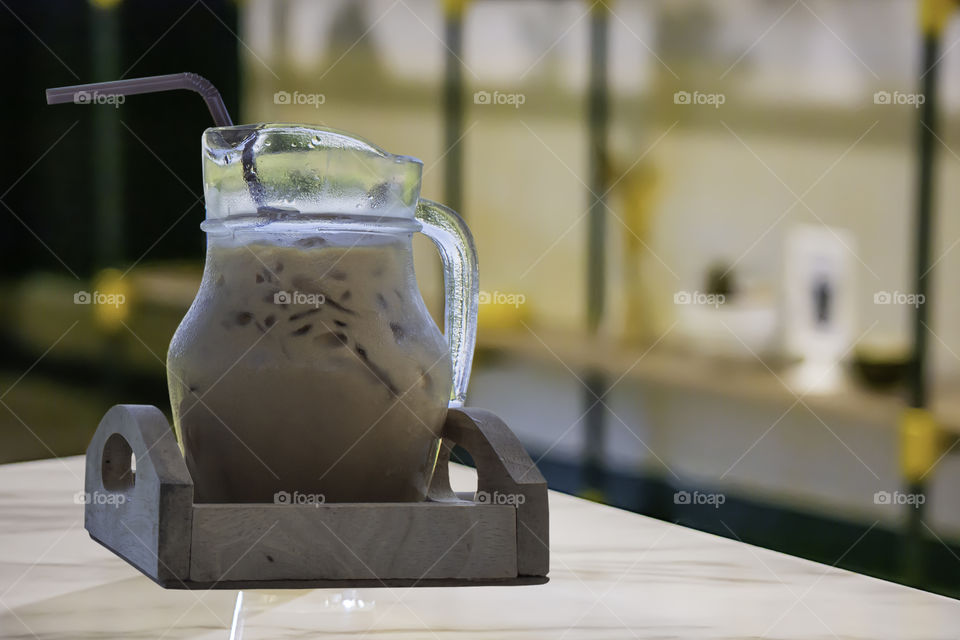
(309, 369)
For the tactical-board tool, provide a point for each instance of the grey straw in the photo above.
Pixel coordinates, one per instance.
(190, 81)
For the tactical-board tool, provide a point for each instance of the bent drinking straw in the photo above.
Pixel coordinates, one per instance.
(83, 93)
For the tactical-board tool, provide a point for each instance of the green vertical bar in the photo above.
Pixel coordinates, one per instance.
(924, 220)
(594, 474)
(453, 108)
(913, 557)
(597, 116)
(105, 169)
(106, 149)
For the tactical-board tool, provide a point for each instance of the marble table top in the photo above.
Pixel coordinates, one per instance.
(614, 575)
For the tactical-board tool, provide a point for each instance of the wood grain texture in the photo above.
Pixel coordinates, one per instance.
(499, 536)
(505, 472)
(353, 541)
(144, 517)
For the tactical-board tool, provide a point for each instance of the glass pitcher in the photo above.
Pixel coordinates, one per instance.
(308, 368)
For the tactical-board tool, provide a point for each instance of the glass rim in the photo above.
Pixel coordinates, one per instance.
(320, 222)
(365, 145)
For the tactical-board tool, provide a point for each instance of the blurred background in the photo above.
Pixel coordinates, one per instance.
(717, 240)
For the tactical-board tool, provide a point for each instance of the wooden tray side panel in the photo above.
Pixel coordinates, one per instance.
(377, 541)
(505, 475)
(142, 516)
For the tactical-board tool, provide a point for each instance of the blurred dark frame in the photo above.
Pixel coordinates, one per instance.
(157, 136)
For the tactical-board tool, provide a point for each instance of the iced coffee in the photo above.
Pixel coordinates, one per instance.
(308, 369)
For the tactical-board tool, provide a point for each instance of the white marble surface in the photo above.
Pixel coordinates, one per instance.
(614, 575)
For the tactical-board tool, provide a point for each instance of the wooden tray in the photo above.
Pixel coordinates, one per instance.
(147, 516)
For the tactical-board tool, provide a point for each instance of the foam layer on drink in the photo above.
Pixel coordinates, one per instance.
(311, 368)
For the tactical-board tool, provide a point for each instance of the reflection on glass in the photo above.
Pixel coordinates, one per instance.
(327, 602)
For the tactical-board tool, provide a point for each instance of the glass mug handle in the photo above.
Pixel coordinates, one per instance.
(461, 286)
